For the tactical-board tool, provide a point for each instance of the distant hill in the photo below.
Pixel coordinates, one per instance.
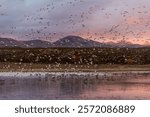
(7, 42)
(125, 44)
(76, 41)
(69, 41)
(37, 43)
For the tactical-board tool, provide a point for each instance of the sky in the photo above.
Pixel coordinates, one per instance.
(100, 20)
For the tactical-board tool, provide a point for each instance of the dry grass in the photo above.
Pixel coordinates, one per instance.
(75, 59)
(78, 56)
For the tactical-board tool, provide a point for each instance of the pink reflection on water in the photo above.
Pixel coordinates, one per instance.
(132, 88)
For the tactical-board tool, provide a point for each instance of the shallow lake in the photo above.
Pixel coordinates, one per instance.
(48, 86)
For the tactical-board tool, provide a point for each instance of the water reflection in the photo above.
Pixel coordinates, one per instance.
(114, 86)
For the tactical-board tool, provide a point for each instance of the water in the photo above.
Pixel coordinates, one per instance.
(48, 86)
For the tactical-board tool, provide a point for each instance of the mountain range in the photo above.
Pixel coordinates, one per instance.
(69, 41)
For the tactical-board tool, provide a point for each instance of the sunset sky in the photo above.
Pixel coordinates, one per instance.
(101, 20)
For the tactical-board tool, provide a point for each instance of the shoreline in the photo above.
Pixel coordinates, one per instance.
(66, 74)
(28, 67)
(79, 71)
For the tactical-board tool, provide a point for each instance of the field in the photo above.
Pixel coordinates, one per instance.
(79, 56)
(78, 59)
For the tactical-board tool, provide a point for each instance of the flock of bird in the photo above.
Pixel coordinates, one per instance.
(77, 22)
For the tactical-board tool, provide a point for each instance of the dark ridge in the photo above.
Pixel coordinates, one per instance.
(66, 42)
